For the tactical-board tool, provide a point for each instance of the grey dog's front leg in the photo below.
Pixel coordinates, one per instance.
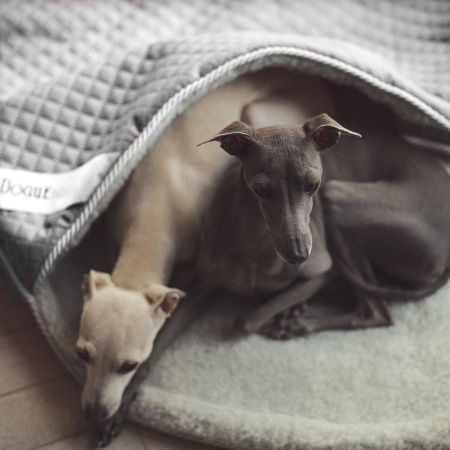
(370, 312)
(186, 312)
(298, 292)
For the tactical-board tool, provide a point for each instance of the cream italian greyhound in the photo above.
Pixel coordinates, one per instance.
(156, 222)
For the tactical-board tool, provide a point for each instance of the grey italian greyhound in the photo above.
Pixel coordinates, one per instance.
(292, 212)
(269, 224)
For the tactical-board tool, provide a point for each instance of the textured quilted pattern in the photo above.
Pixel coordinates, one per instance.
(75, 74)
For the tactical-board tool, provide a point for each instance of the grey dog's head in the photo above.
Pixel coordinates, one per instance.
(282, 167)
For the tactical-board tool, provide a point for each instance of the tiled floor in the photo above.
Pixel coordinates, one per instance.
(39, 400)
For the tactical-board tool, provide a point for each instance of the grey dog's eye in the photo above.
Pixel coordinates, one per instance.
(83, 354)
(127, 367)
(262, 190)
(311, 186)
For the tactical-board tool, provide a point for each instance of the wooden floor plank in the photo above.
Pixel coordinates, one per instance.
(41, 414)
(129, 439)
(26, 359)
(13, 315)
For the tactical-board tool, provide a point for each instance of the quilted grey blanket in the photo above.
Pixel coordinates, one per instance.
(87, 87)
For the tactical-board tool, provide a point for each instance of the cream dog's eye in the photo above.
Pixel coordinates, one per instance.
(127, 366)
(83, 354)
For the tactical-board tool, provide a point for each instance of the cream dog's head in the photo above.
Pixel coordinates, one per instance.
(117, 331)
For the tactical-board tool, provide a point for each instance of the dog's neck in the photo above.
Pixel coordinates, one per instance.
(242, 219)
(138, 272)
(252, 228)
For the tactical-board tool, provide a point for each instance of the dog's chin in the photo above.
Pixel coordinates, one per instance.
(98, 417)
(291, 258)
(287, 259)
(99, 414)
(111, 413)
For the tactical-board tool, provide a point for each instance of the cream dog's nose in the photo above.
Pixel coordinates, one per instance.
(95, 413)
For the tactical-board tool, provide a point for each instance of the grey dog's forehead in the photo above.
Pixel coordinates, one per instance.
(281, 148)
(279, 136)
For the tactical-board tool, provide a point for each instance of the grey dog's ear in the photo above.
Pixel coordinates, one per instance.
(235, 138)
(94, 281)
(325, 131)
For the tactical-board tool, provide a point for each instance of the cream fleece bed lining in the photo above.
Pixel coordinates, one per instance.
(376, 388)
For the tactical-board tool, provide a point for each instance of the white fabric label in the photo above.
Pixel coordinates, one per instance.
(47, 193)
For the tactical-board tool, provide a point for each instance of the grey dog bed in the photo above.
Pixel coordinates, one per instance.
(79, 80)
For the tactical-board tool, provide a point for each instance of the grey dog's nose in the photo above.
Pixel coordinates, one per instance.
(95, 413)
(300, 251)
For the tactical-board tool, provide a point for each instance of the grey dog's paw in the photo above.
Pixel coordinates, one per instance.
(108, 431)
(286, 325)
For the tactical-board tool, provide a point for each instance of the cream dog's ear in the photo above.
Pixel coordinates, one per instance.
(93, 282)
(164, 298)
(170, 300)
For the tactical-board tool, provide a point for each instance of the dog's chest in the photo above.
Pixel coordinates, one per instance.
(265, 276)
